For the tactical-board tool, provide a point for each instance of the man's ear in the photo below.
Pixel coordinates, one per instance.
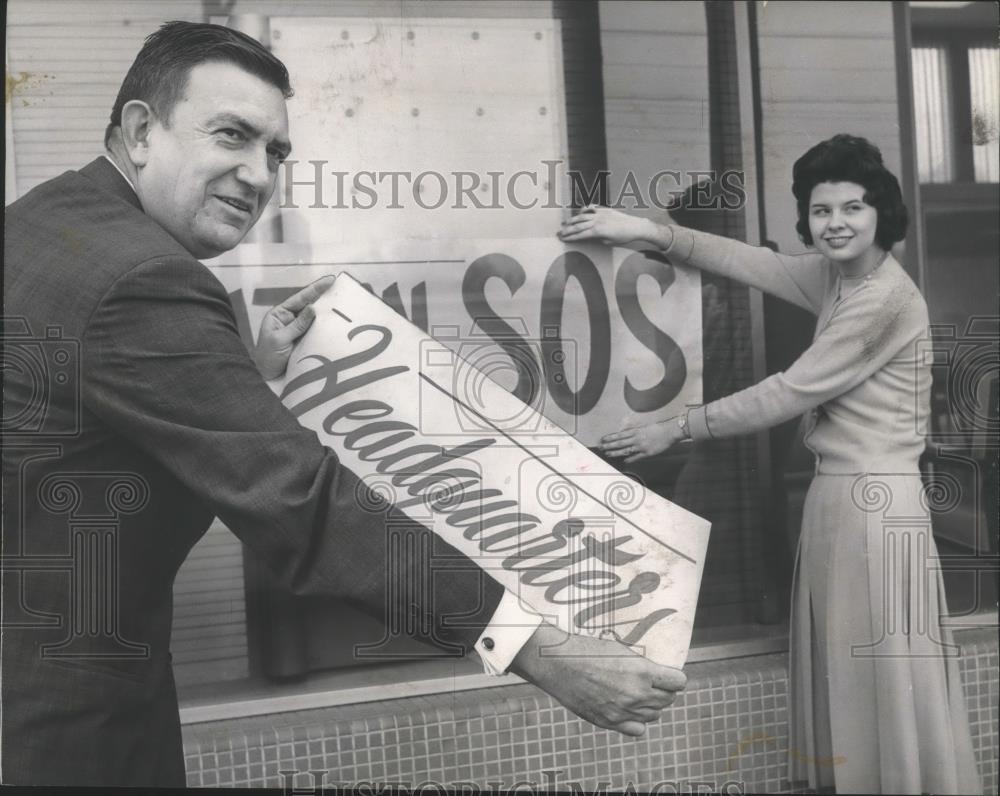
(137, 121)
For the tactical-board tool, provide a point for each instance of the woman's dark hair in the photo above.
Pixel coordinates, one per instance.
(159, 73)
(848, 158)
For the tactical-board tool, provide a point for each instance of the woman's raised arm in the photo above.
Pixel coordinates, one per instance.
(799, 279)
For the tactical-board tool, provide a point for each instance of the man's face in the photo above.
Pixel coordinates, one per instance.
(211, 170)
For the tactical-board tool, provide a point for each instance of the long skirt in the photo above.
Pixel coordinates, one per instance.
(876, 702)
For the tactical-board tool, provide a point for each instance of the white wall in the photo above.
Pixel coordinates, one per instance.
(69, 59)
(825, 68)
(655, 91)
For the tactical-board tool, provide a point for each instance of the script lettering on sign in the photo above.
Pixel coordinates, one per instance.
(425, 429)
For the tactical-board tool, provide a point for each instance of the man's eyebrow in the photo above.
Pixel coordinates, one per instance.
(225, 117)
(284, 147)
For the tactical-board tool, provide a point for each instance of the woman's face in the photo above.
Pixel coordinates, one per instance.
(842, 224)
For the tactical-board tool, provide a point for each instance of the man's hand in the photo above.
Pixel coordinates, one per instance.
(283, 325)
(601, 681)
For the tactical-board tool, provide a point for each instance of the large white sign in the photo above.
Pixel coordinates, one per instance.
(406, 125)
(591, 337)
(588, 548)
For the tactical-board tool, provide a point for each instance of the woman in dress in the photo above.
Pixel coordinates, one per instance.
(876, 698)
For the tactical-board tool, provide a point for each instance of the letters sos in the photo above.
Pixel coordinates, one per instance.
(541, 362)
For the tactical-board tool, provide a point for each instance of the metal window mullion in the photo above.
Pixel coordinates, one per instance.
(961, 111)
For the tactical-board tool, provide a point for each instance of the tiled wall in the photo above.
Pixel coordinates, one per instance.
(728, 730)
(980, 674)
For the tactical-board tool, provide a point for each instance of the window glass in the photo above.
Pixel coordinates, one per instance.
(984, 87)
(931, 99)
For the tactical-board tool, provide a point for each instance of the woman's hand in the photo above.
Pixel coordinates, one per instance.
(283, 325)
(610, 227)
(642, 441)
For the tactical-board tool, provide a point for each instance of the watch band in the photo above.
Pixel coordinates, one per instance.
(682, 424)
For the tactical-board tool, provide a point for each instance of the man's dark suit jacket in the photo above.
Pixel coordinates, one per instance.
(133, 414)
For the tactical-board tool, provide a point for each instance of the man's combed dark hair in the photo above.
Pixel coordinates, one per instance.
(159, 73)
(848, 158)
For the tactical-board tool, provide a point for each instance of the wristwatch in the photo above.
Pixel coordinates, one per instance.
(682, 424)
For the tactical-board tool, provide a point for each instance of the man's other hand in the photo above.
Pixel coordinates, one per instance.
(601, 681)
(283, 325)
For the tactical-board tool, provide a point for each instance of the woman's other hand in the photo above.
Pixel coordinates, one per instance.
(283, 325)
(641, 441)
(610, 227)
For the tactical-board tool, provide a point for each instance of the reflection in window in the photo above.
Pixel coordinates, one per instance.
(931, 99)
(984, 85)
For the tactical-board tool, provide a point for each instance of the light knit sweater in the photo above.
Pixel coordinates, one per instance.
(865, 380)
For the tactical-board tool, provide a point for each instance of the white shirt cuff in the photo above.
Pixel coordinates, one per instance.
(512, 625)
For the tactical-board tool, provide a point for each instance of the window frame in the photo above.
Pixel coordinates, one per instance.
(956, 43)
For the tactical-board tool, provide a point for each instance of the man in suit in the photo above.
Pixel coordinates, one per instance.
(149, 417)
